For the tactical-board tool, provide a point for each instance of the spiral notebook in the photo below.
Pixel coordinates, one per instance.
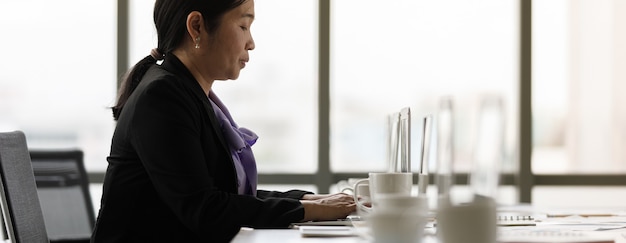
(516, 220)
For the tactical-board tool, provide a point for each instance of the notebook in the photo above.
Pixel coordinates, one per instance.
(516, 220)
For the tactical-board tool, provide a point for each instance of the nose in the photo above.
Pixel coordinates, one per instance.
(250, 45)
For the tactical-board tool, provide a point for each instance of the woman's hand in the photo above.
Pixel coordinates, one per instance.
(327, 207)
(319, 196)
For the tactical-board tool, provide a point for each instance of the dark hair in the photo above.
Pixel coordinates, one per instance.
(170, 17)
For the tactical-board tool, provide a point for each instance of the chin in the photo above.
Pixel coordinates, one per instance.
(234, 76)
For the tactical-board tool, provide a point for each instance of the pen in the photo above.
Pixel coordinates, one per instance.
(586, 215)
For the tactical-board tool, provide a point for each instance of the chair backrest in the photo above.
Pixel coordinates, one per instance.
(20, 204)
(63, 189)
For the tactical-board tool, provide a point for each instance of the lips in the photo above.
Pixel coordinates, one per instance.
(243, 62)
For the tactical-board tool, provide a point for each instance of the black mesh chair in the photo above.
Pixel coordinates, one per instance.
(22, 219)
(63, 189)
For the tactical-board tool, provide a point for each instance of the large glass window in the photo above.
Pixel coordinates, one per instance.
(579, 55)
(275, 95)
(58, 75)
(142, 35)
(59, 79)
(385, 56)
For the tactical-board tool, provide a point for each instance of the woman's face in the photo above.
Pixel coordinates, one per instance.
(228, 46)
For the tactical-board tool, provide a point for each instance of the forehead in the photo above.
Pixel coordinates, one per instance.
(245, 10)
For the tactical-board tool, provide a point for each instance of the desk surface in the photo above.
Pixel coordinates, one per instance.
(247, 235)
(615, 226)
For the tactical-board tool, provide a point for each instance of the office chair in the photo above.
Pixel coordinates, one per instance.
(63, 189)
(22, 216)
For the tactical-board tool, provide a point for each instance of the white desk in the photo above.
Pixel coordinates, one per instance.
(247, 235)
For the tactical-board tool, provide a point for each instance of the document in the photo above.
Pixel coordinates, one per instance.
(326, 231)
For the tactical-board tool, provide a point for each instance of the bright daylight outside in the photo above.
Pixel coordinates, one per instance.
(59, 78)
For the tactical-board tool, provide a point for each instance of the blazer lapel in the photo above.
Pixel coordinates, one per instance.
(173, 65)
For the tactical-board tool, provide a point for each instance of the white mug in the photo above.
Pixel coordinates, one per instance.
(401, 203)
(473, 222)
(347, 186)
(397, 218)
(362, 196)
(363, 193)
(385, 183)
(398, 228)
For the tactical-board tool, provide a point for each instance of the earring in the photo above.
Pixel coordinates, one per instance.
(197, 42)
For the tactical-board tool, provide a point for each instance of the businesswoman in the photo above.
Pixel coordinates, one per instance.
(180, 169)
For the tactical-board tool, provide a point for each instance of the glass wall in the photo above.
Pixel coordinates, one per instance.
(276, 94)
(58, 74)
(58, 79)
(579, 55)
(407, 53)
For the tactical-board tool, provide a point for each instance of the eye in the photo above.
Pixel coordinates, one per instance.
(244, 28)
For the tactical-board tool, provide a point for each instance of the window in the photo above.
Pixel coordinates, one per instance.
(59, 75)
(412, 53)
(579, 55)
(62, 79)
(275, 95)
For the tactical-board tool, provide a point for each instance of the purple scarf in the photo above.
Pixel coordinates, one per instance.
(239, 141)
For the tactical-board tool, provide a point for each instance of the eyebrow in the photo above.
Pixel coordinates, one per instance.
(248, 15)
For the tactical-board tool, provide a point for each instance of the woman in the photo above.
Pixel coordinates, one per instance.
(180, 170)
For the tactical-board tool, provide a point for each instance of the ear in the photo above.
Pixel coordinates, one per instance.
(195, 26)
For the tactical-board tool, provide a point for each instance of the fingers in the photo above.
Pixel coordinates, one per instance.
(336, 211)
(337, 199)
(333, 207)
(322, 196)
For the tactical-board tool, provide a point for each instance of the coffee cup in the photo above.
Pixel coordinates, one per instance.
(407, 204)
(397, 218)
(473, 222)
(347, 186)
(381, 183)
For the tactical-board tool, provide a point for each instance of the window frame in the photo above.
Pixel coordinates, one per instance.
(323, 178)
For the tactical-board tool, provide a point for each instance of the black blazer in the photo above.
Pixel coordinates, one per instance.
(171, 177)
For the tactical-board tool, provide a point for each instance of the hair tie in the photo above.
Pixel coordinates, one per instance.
(156, 54)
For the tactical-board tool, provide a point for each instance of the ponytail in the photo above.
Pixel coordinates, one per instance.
(131, 80)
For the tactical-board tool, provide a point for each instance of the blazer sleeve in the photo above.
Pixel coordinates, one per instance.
(166, 134)
(294, 194)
